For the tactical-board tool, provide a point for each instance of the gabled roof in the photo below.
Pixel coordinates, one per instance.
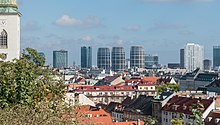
(150, 79)
(92, 115)
(183, 104)
(142, 105)
(214, 83)
(111, 106)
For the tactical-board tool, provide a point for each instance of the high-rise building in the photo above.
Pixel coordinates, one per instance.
(60, 59)
(89, 57)
(9, 30)
(118, 59)
(103, 58)
(207, 64)
(137, 56)
(151, 60)
(193, 56)
(181, 58)
(216, 56)
(86, 57)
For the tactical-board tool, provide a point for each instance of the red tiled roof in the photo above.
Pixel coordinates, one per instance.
(105, 88)
(129, 123)
(148, 84)
(92, 115)
(183, 104)
(150, 79)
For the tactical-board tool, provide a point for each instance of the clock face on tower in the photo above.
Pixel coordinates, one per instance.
(3, 22)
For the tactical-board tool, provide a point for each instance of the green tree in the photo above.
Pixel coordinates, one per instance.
(31, 88)
(177, 121)
(164, 87)
(197, 111)
(150, 121)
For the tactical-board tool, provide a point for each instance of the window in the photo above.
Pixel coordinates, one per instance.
(3, 40)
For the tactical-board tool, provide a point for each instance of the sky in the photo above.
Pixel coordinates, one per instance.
(161, 26)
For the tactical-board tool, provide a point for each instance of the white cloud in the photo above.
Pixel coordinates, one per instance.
(132, 28)
(164, 1)
(68, 21)
(87, 38)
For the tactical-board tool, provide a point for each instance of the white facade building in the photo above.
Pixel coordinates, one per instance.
(193, 56)
(9, 30)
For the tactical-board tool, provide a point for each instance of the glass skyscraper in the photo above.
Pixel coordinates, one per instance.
(137, 56)
(103, 58)
(86, 57)
(151, 60)
(182, 58)
(216, 56)
(60, 59)
(118, 59)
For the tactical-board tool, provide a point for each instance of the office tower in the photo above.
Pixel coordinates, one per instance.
(207, 64)
(137, 56)
(181, 58)
(60, 59)
(9, 30)
(118, 59)
(151, 60)
(89, 57)
(193, 56)
(86, 57)
(103, 58)
(216, 57)
(127, 63)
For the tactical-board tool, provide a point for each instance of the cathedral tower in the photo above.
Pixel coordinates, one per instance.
(9, 30)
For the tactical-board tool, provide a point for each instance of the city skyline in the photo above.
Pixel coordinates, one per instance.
(119, 23)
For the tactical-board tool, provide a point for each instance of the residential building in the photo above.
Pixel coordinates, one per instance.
(86, 57)
(140, 108)
(178, 107)
(74, 99)
(194, 80)
(216, 57)
(158, 102)
(214, 86)
(60, 59)
(106, 94)
(137, 56)
(148, 89)
(87, 115)
(110, 80)
(213, 118)
(103, 58)
(207, 64)
(174, 65)
(193, 56)
(182, 58)
(118, 59)
(9, 30)
(151, 60)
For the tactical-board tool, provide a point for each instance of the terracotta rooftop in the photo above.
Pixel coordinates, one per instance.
(183, 104)
(105, 88)
(93, 115)
(129, 123)
(150, 79)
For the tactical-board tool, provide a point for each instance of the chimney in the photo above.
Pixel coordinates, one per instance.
(139, 122)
